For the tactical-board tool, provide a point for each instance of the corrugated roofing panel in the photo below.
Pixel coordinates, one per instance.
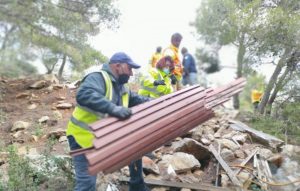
(152, 125)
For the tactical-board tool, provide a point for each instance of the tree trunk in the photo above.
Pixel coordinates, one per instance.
(262, 105)
(61, 69)
(283, 80)
(278, 87)
(239, 72)
(6, 36)
(50, 70)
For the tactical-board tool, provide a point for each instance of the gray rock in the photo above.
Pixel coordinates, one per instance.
(150, 166)
(190, 146)
(228, 144)
(181, 162)
(19, 125)
(227, 155)
(57, 133)
(39, 84)
(43, 119)
(64, 106)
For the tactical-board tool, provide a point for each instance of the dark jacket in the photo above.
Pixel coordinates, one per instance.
(189, 64)
(91, 93)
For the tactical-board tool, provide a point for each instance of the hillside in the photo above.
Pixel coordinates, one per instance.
(34, 113)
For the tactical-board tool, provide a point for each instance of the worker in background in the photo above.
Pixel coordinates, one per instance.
(158, 81)
(155, 57)
(172, 51)
(189, 76)
(102, 92)
(256, 96)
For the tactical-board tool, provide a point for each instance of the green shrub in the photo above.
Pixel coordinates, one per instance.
(284, 125)
(47, 172)
(21, 176)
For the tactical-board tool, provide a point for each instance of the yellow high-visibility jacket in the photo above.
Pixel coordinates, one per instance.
(148, 89)
(256, 96)
(155, 58)
(78, 125)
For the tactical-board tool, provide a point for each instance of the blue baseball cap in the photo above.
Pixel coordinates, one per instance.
(121, 57)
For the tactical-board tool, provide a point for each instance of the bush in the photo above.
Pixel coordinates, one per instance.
(284, 125)
(47, 172)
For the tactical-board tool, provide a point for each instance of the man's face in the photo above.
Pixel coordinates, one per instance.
(176, 41)
(123, 71)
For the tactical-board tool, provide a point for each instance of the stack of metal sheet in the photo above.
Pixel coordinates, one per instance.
(152, 125)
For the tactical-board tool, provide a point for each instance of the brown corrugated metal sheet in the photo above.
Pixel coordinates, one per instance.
(152, 125)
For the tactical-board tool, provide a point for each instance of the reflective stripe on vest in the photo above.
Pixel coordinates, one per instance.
(152, 91)
(78, 125)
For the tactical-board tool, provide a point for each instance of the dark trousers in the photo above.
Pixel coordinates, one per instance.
(136, 182)
(87, 182)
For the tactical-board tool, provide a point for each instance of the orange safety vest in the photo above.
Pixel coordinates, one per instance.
(173, 52)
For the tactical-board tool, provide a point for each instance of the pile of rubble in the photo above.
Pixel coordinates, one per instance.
(220, 154)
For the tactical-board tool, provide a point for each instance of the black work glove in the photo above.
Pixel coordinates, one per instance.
(121, 112)
(158, 82)
(173, 79)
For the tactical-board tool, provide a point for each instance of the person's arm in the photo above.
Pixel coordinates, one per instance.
(135, 99)
(187, 64)
(91, 94)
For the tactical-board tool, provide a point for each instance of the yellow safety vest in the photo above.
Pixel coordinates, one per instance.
(256, 96)
(149, 90)
(155, 58)
(78, 125)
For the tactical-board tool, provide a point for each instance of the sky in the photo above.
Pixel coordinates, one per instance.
(144, 25)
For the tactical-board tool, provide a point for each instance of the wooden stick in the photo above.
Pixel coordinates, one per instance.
(225, 166)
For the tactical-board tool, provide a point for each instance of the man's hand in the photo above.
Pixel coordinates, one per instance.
(121, 112)
(158, 82)
(173, 79)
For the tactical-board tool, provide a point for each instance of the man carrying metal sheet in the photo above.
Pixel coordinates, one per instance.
(101, 93)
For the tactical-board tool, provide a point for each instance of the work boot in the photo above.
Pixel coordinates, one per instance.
(138, 187)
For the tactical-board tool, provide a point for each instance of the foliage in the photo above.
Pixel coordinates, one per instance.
(47, 172)
(228, 22)
(38, 129)
(60, 27)
(21, 175)
(285, 125)
(259, 29)
(16, 68)
(210, 62)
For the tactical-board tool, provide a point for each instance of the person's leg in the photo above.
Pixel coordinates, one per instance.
(184, 80)
(136, 182)
(84, 181)
(255, 106)
(193, 78)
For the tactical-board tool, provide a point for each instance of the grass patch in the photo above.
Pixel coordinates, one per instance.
(286, 130)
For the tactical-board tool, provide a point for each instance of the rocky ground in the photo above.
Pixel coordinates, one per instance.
(223, 152)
